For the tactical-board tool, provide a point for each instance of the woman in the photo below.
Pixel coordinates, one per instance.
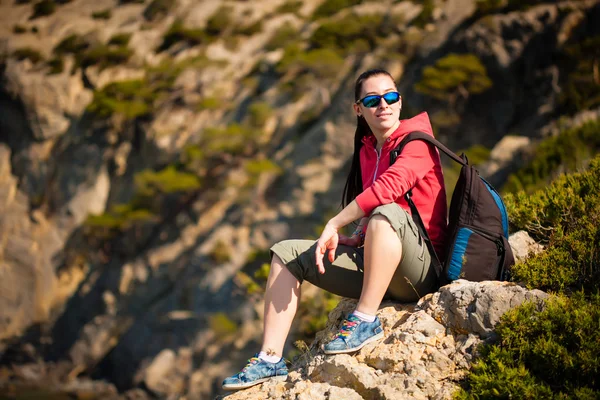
(384, 257)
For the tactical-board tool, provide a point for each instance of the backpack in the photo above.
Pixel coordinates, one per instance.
(477, 247)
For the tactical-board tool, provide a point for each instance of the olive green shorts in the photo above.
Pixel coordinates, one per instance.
(414, 276)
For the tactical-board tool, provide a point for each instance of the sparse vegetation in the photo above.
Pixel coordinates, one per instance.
(569, 151)
(19, 29)
(426, 14)
(43, 8)
(221, 325)
(169, 180)
(121, 217)
(158, 9)
(255, 168)
(104, 14)
(290, 6)
(283, 36)
(120, 39)
(221, 252)
(330, 7)
(234, 139)
(218, 23)
(258, 113)
(251, 29)
(56, 65)
(28, 53)
(178, 33)
(132, 99)
(210, 103)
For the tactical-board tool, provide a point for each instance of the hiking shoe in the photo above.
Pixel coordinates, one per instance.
(354, 335)
(255, 372)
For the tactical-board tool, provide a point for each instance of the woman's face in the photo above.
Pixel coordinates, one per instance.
(383, 117)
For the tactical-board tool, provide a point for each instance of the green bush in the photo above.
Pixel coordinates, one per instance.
(158, 9)
(43, 8)
(234, 139)
(119, 39)
(249, 30)
(104, 14)
(283, 36)
(548, 354)
(569, 151)
(581, 90)
(27, 53)
(56, 65)
(221, 325)
(178, 33)
(320, 63)
(72, 44)
(351, 33)
(169, 180)
(258, 113)
(330, 7)
(218, 23)
(104, 56)
(18, 29)
(255, 168)
(566, 217)
(131, 99)
(210, 103)
(290, 6)
(120, 218)
(221, 252)
(426, 14)
(454, 76)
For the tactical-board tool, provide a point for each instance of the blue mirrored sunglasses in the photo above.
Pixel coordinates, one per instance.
(373, 100)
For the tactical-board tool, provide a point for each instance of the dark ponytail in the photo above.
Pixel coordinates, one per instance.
(354, 184)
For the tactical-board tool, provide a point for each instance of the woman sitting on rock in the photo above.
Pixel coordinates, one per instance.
(384, 257)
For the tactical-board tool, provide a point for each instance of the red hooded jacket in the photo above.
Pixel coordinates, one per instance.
(418, 166)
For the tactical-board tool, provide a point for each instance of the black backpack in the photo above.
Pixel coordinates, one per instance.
(477, 246)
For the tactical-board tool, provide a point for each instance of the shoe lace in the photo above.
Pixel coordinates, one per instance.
(348, 327)
(251, 362)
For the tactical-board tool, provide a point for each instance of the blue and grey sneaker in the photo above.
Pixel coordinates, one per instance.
(354, 335)
(255, 372)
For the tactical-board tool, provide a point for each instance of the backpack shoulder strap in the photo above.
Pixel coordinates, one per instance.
(418, 135)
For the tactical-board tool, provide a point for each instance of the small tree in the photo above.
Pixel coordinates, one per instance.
(453, 79)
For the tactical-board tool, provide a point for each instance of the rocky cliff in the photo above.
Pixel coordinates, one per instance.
(125, 218)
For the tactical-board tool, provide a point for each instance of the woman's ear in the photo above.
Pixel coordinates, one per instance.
(357, 110)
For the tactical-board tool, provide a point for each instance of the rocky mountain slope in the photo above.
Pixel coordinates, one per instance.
(150, 151)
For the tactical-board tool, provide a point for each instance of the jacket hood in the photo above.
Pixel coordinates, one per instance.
(419, 122)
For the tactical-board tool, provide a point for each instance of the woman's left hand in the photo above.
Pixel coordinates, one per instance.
(328, 241)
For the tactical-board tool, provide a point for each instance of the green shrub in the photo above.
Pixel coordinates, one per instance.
(120, 218)
(221, 252)
(18, 29)
(545, 354)
(255, 168)
(425, 16)
(569, 151)
(221, 325)
(351, 33)
(169, 180)
(158, 9)
(249, 30)
(581, 90)
(43, 8)
(72, 44)
(258, 113)
(178, 33)
(314, 311)
(131, 99)
(119, 39)
(234, 139)
(104, 14)
(27, 53)
(290, 6)
(210, 103)
(566, 217)
(104, 56)
(330, 7)
(454, 76)
(476, 154)
(283, 36)
(320, 63)
(56, 65)
(218, 23)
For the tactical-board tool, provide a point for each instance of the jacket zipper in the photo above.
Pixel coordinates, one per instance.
(376, 165)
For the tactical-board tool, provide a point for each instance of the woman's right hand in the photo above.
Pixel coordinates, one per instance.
(354, 240)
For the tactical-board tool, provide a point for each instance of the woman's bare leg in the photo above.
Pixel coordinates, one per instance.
(281, 302)
(383, 251)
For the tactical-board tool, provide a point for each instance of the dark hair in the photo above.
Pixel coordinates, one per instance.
(354, 184)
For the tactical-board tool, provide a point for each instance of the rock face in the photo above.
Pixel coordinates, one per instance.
(427, 349)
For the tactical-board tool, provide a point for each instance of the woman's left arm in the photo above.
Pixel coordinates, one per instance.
(329, 238)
